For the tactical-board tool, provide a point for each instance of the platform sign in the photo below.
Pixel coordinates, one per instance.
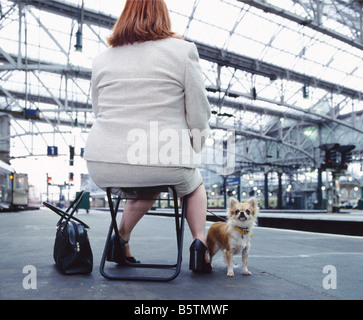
(235, 181)
(52, 151)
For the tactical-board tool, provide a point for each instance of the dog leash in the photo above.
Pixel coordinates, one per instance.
(241, 231)
(223, 219)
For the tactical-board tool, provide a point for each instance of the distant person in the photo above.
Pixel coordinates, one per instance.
(151, 119)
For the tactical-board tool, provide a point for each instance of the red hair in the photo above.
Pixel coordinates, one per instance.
(140, 21)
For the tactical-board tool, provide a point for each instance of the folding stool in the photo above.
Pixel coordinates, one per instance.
(179, 226)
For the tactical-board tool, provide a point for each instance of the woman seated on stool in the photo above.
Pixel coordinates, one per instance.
(152, 115)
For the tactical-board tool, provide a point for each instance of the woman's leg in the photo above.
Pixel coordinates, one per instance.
(133, 212)
(197, 214)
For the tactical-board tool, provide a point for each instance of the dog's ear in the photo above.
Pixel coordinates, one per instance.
(231, 202)
(253, 202)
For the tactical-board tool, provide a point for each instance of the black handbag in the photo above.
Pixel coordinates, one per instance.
(72, 250)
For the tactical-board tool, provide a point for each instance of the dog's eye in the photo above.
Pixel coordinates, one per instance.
(248, 212)
(237, 211)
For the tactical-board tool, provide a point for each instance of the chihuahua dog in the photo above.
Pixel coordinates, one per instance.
(235, 235)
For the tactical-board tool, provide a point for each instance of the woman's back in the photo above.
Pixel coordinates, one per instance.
(134, 86)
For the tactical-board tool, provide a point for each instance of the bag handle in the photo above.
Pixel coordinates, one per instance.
(65, 215)
(75, 205)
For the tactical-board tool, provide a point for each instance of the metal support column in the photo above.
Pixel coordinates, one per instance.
(279, 192)
(319, 191)
(266, 190)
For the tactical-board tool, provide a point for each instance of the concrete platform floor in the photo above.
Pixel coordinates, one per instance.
(285, 264)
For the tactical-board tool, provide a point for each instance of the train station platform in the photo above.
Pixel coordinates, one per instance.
(285, 264)
(346, 222)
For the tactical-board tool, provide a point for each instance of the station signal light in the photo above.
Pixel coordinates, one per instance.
(254, 93)
(331, 158)
(71, 155)
(337, 156)
(305, 91)
(346, 158)
(346, 155)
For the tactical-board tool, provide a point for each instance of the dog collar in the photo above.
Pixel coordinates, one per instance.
(242, 230)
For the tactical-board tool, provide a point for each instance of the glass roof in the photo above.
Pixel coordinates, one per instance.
(319, 69)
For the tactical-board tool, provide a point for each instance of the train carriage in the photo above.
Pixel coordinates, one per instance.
(14, 188)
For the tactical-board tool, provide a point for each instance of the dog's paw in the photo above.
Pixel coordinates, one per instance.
(230, 273)
(246, 273)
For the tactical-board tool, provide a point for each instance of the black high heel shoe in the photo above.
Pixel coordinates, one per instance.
(116, 252)
(197, 261)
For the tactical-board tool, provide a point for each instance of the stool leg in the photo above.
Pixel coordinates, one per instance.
(104, 255)
(176, 214)
(180, 237)
(113, 210)
(113, 227)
